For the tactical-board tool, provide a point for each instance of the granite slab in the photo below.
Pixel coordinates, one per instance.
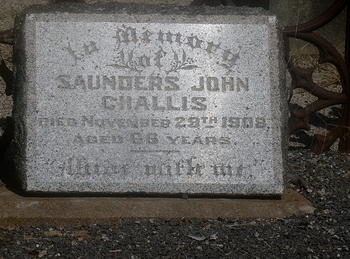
(137, 99)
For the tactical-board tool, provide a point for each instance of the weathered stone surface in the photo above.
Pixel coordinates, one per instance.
(134, 99)
(73, 211)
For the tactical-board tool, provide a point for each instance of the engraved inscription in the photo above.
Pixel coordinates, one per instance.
(202, 140)
(129, 40)
(120, 123)
(81, 166)
(227, 170)
(88, 50)
(114, 139)
(148, 103)
(154, 103)
(151, 83)
(136, 123)
(187, 167)
(123, 83)
(216, 84)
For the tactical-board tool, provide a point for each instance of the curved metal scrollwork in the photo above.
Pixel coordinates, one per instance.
(302, 78)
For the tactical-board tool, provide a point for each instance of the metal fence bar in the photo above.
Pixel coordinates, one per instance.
(302, 78)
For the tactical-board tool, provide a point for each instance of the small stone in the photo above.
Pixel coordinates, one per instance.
(322, 192)
(326, 211)
(184, 196)
(42, 253)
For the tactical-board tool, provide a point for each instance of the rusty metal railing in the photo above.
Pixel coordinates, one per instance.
(302, 78)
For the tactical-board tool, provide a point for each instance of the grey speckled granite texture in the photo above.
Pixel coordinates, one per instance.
(120, 99)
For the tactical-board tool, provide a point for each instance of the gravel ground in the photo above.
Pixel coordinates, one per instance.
(324, 179)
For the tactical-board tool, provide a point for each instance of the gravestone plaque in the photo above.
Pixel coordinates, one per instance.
(133, 99)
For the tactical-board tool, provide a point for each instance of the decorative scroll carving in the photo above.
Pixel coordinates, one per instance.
(302, 78)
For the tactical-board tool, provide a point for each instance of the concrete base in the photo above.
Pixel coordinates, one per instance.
(16, 210)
